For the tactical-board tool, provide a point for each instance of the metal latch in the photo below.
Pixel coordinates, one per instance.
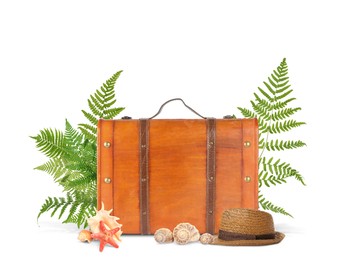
(229, 117)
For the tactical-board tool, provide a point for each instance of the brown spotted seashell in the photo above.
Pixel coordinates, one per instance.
(163, 235)
(206, 238)
(85, 236)
(185, 233)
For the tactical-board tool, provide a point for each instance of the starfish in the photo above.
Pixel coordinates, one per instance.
(105, 236)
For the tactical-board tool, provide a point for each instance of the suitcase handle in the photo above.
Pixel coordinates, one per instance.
(175, 99)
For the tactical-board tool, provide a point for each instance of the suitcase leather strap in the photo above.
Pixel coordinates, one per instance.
(210, 175)
(144, 176)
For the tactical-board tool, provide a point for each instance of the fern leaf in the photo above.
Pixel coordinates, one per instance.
(269, 87)
(54, 167)
(72, 136)
(266, 179)
(267, 205)
(88, 132)
(53, 203)
(283, 95)
(263, 126)
(66, 203)
(281, 172)
(92, 119)
(82, 182)
(98, 99)
(282, 87)
(72, 213)
(58, 203)
(266, 94)
(100, 105)
(247, 113)
(95, 107)
(261, 111)
(271, 81)
(46, 206)
(276, 145)
(113, 112)
(276, 74)
(284, 113)
(90, 128)
(271, 107)
(285, 126)
(50, 142)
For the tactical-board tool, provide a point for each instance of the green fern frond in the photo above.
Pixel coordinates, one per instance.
(266, 179)
(72, 136)
(101, 102)
(89, 131)
(73, 162)
(96, 103)
(263, 125)
(281, 172)
(72, 213)
(283, 95)
(50, 142)
(78, 210)
(55, 203)
(264, 93)
(284, 113)
(100, 105)
(92, 119)
(261, 142)
(82, 183)
(267, 205)
(54, 167)
(111, 113)
(261, 111)
(271, 90)
(271, 108)
(247, 113)
(276, 145)
(285, 126)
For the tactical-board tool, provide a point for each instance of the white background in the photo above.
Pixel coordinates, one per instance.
(213, 54)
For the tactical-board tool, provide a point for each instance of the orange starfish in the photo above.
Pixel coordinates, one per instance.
(105, 236)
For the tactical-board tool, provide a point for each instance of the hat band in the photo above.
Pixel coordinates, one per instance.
(225, 235)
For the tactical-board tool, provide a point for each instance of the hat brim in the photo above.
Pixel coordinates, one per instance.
(261, 242)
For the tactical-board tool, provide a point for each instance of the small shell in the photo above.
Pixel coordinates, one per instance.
(185, 233)
(206, 238)
(163, 235)
(85, 236)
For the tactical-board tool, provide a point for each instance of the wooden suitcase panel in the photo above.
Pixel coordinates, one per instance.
(126, 175)
(177, 172)
(177, 175)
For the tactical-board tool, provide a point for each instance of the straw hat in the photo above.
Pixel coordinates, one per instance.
(247, 227)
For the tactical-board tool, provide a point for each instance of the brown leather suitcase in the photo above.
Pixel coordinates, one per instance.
(158, 173)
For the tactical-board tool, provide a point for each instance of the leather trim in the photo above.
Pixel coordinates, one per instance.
(231, 236)
(210, 175)
(144, 176)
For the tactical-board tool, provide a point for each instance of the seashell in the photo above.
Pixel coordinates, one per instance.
(206, 238)
(185, 233)
(109, 221)
(85, 236)
(163, 235)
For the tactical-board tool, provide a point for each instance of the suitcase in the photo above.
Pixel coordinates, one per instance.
(158, 173)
